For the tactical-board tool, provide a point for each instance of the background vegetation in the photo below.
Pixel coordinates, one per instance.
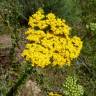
(15, 73)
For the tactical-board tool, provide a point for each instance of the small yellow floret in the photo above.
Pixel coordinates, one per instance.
(54, 94)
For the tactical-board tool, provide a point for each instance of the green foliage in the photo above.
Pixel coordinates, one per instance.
(87, 70)
(11, 11)
(71, 88)
(88, 10)
(88, 59)
(91, 27)
(68, 9)
(18, 11)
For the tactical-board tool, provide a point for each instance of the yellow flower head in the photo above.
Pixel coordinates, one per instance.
(49, 41)
(54, 94)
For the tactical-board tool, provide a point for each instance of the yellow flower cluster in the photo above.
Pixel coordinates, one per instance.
(54, 94)
(49, 41)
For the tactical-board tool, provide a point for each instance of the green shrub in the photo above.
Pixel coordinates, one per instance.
(71, 88)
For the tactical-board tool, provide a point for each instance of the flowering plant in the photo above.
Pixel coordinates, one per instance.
(49, 41)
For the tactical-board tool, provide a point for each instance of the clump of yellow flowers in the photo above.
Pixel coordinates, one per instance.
(54, 94)
(49, 41)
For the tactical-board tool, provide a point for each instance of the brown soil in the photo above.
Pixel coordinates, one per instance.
(5, 40)
(5, 45)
